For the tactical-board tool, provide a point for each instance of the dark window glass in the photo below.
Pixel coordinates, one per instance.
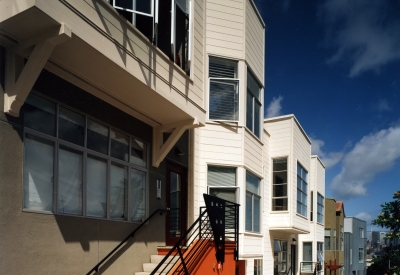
(71, 126)
(119, 145)
(40, 114)
(97, 137)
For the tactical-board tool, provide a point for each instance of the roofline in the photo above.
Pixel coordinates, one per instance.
(291, 116)
(257, 12)
(320, 161)
(351, 217)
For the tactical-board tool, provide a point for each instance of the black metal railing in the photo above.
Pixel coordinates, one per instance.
(191, 247)
(310, 268)
(96, 267)
(288, 272)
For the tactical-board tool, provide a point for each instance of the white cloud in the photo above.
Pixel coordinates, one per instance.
(274, 107)
(373, 154)
(365, 216)
(363, 33)
(329, 159)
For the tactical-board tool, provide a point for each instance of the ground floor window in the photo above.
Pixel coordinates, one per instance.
(280, 257)
(75, 165)
(221, 182)
(257, 266)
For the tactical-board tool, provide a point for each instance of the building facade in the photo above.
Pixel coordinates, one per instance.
(115, 112)
(355, 243)
(334, 237)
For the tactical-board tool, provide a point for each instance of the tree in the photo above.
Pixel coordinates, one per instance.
(389, 261)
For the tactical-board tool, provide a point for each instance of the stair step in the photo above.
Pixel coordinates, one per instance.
(148, 267)
(158, 258)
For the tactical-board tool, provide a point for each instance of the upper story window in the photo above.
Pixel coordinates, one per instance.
(341, 244)
(279, 185)
(320, 208)
(253, 105)
(301, 190)
(334, 240)
(75, 165)
(327, 239)
(221, 182)
(361, 255)
(167, 24)
(361, 232)
(253, 205)
(224, 90)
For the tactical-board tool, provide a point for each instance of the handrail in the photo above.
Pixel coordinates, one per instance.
(290, 268)
(96, 267)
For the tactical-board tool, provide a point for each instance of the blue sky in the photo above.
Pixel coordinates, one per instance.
(335, 65)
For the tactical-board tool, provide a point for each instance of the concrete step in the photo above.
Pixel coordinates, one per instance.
(149, 267)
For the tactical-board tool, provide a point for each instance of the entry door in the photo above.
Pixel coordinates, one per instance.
(176, 203)
(293, 260)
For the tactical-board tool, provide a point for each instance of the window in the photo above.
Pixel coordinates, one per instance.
(257, 266)
(361, 255)
(75, 165)
(351, 256)
(327, 239)
(320, 250)
(341, 245)
(224, 90)
(361, 232)
(301, 191)
(252, 203)
(280, 257)
(320, 208)
(334, 240)
(279, 196)
(307, 257)
(312, 206)
(253, 105)
(167, 24)
(221, 182)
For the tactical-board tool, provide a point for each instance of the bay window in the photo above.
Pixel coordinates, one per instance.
(223, 90)
(253, 105)
(167, 24)
(75, 165)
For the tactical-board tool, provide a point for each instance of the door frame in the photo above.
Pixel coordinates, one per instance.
(183, 171)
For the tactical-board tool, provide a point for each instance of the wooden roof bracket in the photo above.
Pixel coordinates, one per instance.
(17, 89)
(160, 149)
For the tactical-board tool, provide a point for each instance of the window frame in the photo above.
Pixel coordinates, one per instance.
(229, 81)
(253, 196)
(361, 255)
(320, 208)
(285, 197)
(232, 187)
(341, 240)
(258, 270)
(327, 239)
(300, 191)
(255, 100)
(282, 255)
(87, 153)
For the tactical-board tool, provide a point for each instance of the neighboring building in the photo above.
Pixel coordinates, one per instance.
(355, 246)
(294, 217)
(334, 236)
(113, 111)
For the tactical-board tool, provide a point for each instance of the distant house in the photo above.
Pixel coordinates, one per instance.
(355, 244)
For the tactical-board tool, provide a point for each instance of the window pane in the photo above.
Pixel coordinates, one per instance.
(224, 100)
(256, 217)
(119, 192)
(249, 212)
(138, 195)
(134, 5)
(138, 153)
(279, 204)
(249, 111)
(221, 176)
(280, 165)
(228, 194)
(222, 68)
(119, 145)
(280, 177)
(69, 181)
(280, 190)
(71, 126)
(253, 85)
(96, 187)
(257, 108)
(97, 137)
(40, 114)
(252, 184)
(38, 173)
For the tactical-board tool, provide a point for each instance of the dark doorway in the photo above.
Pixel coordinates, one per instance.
(175, 224)
(293, 258)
